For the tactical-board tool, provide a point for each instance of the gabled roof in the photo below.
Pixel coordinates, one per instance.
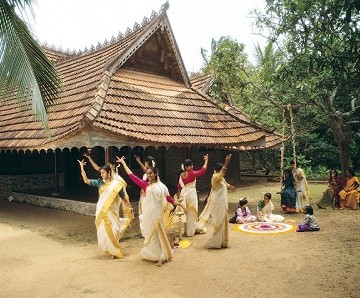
(203, 82)
(133, 90)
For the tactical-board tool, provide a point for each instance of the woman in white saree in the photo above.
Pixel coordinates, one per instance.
(265, 208)
(110, 227)
(187, 193)
(216, 209)
(156, 244)
(301, 187)
(126, 208)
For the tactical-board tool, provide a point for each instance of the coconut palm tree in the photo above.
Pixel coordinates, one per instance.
(269, 56)
(25, 71)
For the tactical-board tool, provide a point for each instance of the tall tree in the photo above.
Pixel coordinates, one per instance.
(321, 42)
(25, 71)
(226, 62)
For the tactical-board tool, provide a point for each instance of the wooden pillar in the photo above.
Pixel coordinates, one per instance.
(56, 178)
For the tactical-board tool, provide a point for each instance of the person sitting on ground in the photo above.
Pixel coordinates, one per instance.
(243, 214)
(349, 196)
(310, 223)
(331, 194)
(265, 208)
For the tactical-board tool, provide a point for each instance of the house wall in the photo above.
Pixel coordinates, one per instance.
(18, 183)
(169, 162)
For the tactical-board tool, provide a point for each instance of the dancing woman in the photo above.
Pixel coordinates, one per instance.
(218, 232)
(149, 161)
(110, 227)
(187, 192)
(156, 244)
(126, 207)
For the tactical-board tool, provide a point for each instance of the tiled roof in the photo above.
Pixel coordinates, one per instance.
(56, 55)
(203, 82)
(116, 95)
(160, 110)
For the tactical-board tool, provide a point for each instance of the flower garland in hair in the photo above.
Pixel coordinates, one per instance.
(182, 167)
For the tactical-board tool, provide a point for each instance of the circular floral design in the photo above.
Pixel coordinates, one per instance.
(264, 227)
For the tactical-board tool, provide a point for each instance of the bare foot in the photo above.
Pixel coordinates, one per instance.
(159, 264)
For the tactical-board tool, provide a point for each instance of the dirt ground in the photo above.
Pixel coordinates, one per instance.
(53, 253)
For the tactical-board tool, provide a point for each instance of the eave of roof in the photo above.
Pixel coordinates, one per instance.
(103, 104)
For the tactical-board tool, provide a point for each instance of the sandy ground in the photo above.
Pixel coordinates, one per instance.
(52, 253)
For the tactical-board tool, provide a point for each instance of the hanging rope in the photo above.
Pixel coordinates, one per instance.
(282, 149)
(292, 133)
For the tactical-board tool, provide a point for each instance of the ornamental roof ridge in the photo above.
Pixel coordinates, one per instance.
(72, 53)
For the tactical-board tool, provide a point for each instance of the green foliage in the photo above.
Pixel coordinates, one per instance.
(227, 61)
(25, 71)
(317, 72)
(320, 41)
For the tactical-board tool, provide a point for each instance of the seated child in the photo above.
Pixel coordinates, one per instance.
(243, 213)
(310, 222)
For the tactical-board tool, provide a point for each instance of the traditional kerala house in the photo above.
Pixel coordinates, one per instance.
(129, 96)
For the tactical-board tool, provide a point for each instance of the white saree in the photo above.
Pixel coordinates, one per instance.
(110, 227)
(127, 210)
(302, 190)
(265, 213)
(218, 231)
(156, 244)
(141, 197)
(189, 195)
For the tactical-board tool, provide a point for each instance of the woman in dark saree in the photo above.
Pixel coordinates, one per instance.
(288, 193)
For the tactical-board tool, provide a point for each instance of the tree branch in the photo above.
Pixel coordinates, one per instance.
(353, 108)
(354, 122)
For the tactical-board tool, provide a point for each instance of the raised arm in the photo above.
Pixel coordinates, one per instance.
(206, 159)
(141, 183)
(123, 163)
(93, 163)
(202, 171)
(226, 164)
(140, 163)
(82, 164)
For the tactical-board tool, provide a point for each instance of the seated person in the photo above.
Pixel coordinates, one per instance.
(243, 213)
(265, 208)
(310, 222)
(331, 194)
(349, 196)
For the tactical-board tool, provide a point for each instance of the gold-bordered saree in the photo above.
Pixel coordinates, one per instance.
(156, 244)
(110, 226)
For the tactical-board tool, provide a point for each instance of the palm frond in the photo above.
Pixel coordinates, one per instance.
(25, 69)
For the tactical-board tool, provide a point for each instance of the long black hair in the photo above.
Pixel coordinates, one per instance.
(188, 162)
(155, 171)
(150, 161)
(309, 210)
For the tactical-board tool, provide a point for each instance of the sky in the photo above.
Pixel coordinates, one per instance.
(76, 24)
